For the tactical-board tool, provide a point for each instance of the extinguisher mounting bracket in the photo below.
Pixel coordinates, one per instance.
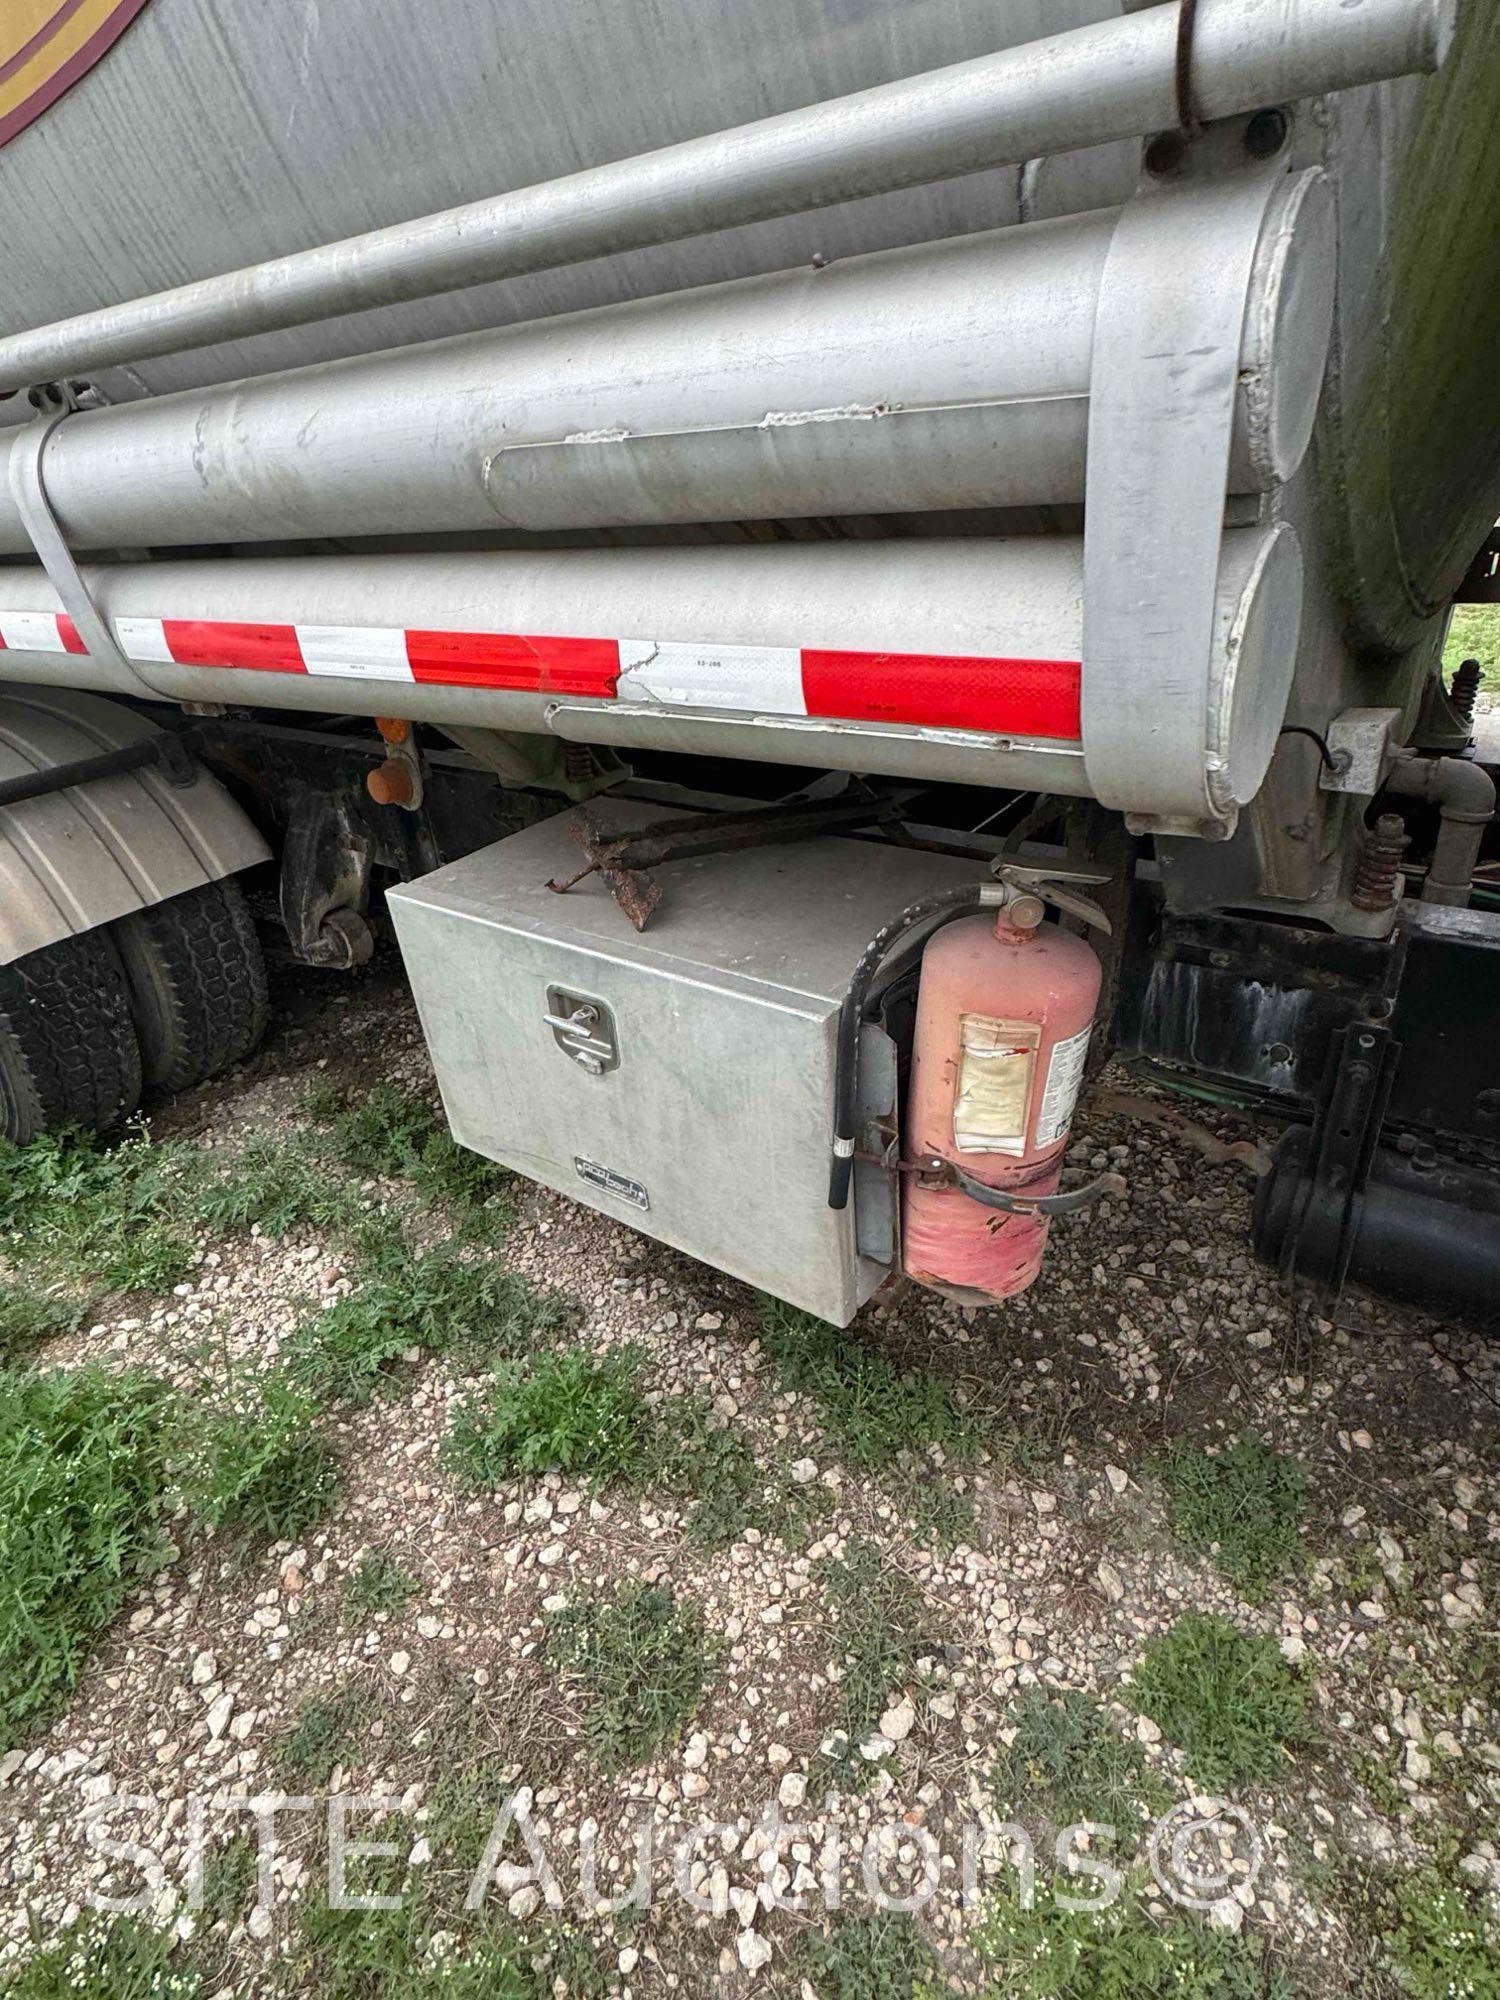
(947, 1174)
(1058, 886)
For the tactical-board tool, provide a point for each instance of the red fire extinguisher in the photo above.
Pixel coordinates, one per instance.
(1005, 1011)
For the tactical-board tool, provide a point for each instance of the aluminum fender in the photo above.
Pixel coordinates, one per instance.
(76, 859)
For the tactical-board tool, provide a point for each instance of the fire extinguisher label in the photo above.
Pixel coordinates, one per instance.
(1064, 1081)
(994, 1084)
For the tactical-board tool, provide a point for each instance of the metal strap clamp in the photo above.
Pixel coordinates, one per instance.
(29, 490)
(1188, 115)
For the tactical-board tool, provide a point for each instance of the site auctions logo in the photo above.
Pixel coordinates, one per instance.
(1200, 1853)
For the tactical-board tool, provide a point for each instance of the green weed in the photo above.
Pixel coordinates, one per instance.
(107, 1959)
(273, 1181)
(230, 1875)
(880, 1633)
(83, 1472)
(431, 1943)
(89, 1215)
(379, 1583)
(1242, 1505)
(883, 1419)
(468, 1310)
(569, 1411)
(710, 1465)
(884, 1957)
(28, 1319)
(1070, 1758)
(1228, 1700)
(410, 1953)
(329, 1730)
(387, 1133)
(590, 1417)
(878, 1414)
(252, 1461)
(1443, 1942)
(640, 1664)
(1121, 1953)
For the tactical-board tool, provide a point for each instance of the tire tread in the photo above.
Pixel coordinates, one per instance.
(68, 1047)
(200, 957)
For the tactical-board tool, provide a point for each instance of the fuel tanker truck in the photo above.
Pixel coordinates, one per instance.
(823, 566)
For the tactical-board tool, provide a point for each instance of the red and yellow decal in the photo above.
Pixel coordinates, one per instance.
(46, 45)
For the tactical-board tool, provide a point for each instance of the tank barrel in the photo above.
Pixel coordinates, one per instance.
(958, 659)
(1113, 80)
(953, 374)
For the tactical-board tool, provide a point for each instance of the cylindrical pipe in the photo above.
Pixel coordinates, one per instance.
(952, 659)
(1464, 794)
(948, 375)
(1115, 79)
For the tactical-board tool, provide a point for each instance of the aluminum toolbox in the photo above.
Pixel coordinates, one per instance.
(695, 1100)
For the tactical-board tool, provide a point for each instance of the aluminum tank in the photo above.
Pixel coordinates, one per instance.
(212, 133)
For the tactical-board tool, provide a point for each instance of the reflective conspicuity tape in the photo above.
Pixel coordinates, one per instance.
(986, 694)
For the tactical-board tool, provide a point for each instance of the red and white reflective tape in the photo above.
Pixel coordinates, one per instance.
(991, 696)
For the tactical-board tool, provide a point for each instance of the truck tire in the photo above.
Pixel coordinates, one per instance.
(68, 1052)
(197, 983)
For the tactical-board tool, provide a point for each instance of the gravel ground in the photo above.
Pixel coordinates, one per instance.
(1151, 1322)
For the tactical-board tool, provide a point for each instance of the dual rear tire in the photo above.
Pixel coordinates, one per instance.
(169, 997)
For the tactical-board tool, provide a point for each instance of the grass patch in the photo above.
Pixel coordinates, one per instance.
(1227, 1699)
(1069, 1757)
(569, 1411)
(252, 1462)
(271, 1181)
(378, 1583)
(1243, 1506)
(230, 1875)
(411, 1953)
(28, 1319)
(877, 1414)
(1474, 635)
(83, 1474)
(884, 1957)
(1122, 1953)
(329, 1730)
(884, 1420)
(431, 1944)
(467, 1309)
(89, 1215)
(1442, 1941)
(696, 1457)
(387, 1133)
(113, 1959)
(879, 1621)
(589, 1416)
(640, 1664)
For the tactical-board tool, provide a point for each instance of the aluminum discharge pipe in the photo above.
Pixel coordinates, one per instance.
(950, 374)
(1113, 80)
(930, 659)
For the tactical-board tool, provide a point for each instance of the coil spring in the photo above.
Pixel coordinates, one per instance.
(1377, 877)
